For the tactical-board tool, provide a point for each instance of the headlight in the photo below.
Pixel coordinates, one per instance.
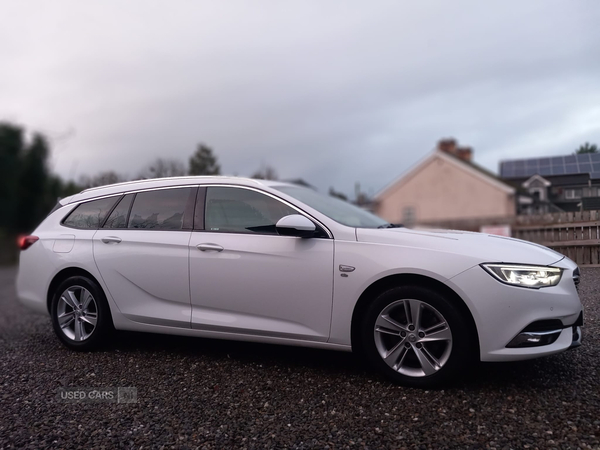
(525, 276)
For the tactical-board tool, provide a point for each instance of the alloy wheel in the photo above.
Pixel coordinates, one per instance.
(413, 338)
(77, 313)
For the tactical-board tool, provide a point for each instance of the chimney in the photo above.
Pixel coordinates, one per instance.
(450, 146)
(464, 153)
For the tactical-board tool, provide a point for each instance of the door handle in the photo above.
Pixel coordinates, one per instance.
(209, 247)
(111, 240)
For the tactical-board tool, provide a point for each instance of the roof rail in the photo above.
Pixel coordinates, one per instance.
(187, 177)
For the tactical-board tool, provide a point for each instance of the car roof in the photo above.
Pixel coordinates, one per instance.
(137, 185)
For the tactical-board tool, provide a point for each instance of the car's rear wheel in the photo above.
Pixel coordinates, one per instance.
(80, 314)
(416, 337)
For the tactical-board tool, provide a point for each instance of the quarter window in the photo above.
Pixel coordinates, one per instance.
(89, 215)
(237, 210)
(118, 218)
(161, 210)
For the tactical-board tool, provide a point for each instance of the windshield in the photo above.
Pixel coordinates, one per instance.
(338, 210)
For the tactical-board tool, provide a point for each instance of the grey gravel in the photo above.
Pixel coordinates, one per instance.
(199, 393)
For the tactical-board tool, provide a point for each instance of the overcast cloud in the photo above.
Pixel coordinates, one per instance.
(334, 92)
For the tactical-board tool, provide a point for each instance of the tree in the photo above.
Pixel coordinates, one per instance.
(28, 190)
(204, 162)
(25, 197)
(336, 194)
(266, 172)
(57, 188)
(161, 168)
(11, 151)
(102, 179)
(586, 148)
(33, 202)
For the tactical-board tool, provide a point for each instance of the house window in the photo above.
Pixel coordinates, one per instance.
(539, 193)
(572, 194)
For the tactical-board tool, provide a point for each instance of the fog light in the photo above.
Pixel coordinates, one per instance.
(534, 338)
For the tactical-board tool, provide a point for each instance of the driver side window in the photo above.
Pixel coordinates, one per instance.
(238, 210)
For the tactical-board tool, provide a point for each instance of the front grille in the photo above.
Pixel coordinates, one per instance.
(576, 277)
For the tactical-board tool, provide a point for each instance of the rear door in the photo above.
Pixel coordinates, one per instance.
(142, 254)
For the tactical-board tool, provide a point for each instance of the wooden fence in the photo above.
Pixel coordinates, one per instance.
(575, 235)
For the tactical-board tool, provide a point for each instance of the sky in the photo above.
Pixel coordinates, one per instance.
(334, 92)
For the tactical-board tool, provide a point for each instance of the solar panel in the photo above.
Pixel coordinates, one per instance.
(571, 168)
(556, 165)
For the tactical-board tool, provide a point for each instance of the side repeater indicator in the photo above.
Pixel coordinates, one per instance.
(346, 268)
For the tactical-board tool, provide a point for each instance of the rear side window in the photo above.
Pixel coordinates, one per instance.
(118, 217)
(163, 209)
(89, 215)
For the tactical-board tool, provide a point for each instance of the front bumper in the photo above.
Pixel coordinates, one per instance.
(577, 336)
(545, 332)
(502, 313)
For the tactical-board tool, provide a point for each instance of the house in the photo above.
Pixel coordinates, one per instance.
(446, 187)
(555, 184)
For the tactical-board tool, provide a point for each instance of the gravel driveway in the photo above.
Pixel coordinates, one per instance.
(199, 393)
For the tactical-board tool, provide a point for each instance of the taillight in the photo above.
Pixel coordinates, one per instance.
(25, 242)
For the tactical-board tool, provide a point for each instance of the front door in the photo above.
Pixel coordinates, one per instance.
(246, 279)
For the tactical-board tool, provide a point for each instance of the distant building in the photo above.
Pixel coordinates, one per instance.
(446, 186)
(555, 184)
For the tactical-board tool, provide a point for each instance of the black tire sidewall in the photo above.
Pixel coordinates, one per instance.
(103, 324)
(462, 344)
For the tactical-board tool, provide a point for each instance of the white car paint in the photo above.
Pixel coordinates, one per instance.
(263, 285)
(149, 289)
(288, 290)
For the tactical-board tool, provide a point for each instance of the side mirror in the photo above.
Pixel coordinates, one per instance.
(295, 225)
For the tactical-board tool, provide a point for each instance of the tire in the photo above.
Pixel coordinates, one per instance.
(397, 337)
(80, 314)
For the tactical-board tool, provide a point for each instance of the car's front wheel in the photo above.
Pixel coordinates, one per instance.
(80, 314)
(416, 337)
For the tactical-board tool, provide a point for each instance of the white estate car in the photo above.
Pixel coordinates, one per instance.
(272, 262)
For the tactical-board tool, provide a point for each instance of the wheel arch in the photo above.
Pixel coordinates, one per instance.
(62, 276)
(407, 279)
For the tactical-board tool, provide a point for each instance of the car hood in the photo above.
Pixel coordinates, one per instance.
(481, 246)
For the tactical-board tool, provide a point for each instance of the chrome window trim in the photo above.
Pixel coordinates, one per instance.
(120, 194)
(78, 202)
(206, 185)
